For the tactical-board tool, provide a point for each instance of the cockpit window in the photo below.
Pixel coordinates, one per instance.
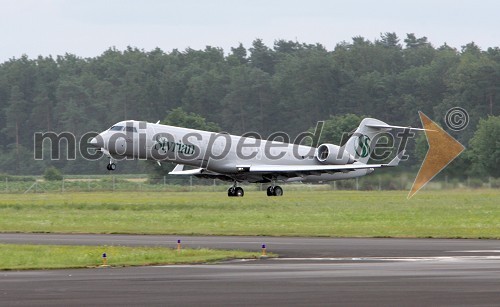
(130, 129)
(116, 128)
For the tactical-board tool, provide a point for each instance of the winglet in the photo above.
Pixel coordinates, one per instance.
(177, 168)
(395, 161)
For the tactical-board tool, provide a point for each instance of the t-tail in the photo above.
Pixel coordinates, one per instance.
(361, 144)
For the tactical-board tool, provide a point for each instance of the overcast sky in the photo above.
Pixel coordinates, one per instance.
(88, 27)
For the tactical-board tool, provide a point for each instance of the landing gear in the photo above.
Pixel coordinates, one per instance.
(111, 166)
(270, 191)
(235, 191)
(274, 191)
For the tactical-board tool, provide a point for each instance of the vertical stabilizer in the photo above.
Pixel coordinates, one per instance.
(361, 144)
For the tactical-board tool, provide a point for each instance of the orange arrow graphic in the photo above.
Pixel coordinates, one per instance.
(443, 149)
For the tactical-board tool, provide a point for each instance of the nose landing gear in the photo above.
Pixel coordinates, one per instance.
(111, 166)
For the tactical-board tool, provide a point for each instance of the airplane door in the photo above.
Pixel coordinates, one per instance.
(119, 143)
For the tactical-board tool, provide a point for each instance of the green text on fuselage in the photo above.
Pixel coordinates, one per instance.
(179, 147)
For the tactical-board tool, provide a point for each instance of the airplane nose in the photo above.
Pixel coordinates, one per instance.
(97, 142)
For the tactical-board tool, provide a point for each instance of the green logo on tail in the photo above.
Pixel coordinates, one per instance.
(362, 147)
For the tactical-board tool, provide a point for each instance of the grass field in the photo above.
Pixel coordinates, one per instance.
(443, 214)
(16, 257)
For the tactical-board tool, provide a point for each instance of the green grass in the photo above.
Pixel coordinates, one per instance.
(444, 214)
(20, 257)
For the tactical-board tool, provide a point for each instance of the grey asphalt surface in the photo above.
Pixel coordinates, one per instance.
(311, 272)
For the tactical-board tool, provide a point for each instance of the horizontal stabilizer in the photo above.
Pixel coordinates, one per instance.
(378, 126)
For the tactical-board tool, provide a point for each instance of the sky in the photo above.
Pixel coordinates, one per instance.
(87, 28)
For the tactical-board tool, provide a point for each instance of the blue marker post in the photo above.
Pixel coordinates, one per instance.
(178, 245)
(264, 250)
(104, 259)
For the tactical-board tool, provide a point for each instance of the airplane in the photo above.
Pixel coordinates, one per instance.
(244, 158)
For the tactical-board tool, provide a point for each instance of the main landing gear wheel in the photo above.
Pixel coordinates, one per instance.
(235, 191)
(111, 167)
(274, 191)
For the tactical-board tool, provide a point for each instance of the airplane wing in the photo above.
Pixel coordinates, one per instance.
(321, 168)
(286, 169)
(281, 169)
(309, 168)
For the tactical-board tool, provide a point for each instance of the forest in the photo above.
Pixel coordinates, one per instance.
(285, 87)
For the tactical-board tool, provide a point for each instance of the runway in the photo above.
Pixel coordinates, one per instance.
(311, 272)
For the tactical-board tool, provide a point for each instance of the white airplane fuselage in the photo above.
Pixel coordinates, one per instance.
(216, 152)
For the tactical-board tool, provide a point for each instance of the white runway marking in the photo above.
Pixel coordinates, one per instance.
(349, 259)
(477, 251)
(409, 259)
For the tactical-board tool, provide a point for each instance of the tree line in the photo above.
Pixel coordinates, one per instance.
(285, 87)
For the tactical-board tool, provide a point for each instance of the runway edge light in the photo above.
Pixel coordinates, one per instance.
(178, 245)
(264, 255)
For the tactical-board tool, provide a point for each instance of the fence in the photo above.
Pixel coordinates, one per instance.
(191, 184)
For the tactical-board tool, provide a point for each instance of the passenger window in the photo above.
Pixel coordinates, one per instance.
(116, 128)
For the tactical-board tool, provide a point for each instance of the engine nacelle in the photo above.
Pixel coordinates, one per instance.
(333, 154)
